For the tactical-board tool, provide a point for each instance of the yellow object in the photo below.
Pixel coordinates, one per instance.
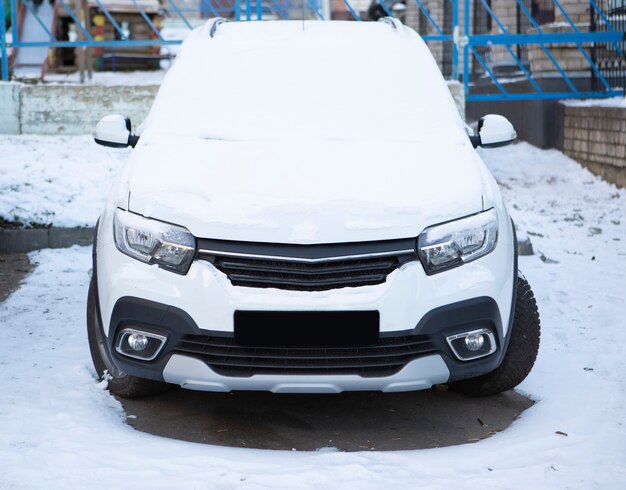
(99, 20)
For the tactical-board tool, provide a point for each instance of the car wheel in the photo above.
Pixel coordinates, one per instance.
(119, 383)
(521, 353)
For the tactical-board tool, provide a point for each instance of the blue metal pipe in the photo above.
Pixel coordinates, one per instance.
(466, 75)
(455, 48)
(148, 21)
(13, 7)
(180, 14)
(428, 16)
(74, 18)
(279, 10)
(352, 11)
(493, 16)
(544, 96)
(435, 37)
(608, 24)
(383, 4)
(41, 24)
(488, 70)
(521, 66)
(3, 46)
(92, 44)
(560, 70)
(314, 8)
(211, 9)
(112, 20)
(566, 37)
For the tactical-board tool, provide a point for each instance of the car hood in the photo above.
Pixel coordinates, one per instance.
(304, 192)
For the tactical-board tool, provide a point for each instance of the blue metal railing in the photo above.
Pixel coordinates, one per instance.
(4, 69)
(480, 74)
(180, 9)
(477, 43)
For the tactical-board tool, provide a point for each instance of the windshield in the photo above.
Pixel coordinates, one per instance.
(332, 81)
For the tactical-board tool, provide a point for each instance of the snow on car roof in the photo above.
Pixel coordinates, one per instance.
(328, 80)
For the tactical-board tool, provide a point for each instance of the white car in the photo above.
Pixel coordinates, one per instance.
(332, 230)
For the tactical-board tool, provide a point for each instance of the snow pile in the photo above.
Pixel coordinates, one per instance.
(60, 180)
(61, 429)
(610, 102)
(109, 78)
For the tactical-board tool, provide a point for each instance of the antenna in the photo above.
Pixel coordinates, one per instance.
(302, 6)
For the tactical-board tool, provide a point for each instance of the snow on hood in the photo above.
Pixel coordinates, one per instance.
(304, 192)
(335, 132)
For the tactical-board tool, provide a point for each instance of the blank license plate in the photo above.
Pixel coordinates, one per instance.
(307, 328)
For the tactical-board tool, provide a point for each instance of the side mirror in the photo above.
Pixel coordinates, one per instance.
(494, 131)
(115, 131)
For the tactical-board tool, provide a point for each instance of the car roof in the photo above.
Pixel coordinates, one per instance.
(311, 79)
(337, 31)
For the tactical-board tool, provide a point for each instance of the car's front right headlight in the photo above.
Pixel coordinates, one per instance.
(169, 246)
(442, 247)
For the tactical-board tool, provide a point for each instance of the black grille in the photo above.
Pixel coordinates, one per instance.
(306, 276)
(226, 357)
(314, 267)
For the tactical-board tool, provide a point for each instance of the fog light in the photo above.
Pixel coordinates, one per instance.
(139, 342)
(474, 341)
(473, 344)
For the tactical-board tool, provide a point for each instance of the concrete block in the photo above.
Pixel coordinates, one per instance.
(10, 107)
(23, 240)
(75, 109)
(66, 237)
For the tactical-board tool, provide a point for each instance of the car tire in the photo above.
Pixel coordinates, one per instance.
(119, 383)
(521, 352)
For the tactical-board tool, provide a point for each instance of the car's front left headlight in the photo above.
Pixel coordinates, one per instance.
(442, 247)
(169, 246)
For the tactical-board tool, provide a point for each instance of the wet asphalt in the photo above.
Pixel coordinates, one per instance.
(347, 422)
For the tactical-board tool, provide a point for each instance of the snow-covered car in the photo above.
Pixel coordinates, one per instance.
(333, 230)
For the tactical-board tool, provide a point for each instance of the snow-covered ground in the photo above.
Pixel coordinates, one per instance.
(59, 428)
(60, 180)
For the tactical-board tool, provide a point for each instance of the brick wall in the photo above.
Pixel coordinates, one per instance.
(595, 136)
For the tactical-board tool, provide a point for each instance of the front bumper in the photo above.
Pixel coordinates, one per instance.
(202, 370)
(194, 374)
(203, 302)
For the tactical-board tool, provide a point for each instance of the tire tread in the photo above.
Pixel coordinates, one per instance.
(127, 386)
(521, 352)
